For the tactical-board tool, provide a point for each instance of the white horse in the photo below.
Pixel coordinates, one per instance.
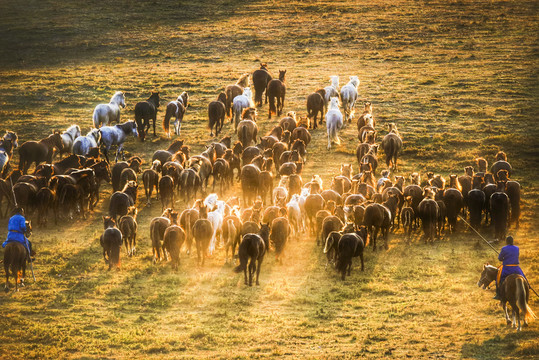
(116, 135)
(294, 214)
(241, 102)
(332, 90)
(349, 97)
(107, 113)
(334, 122)
(216, 217)
(68, 138)
(82, 144)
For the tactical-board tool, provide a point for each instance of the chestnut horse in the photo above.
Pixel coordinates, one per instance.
(515, 290)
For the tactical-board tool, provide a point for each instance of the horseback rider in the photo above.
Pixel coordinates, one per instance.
(17, 228)
(510, 264)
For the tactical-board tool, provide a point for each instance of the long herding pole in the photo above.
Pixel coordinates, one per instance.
(492, 247)
(25, 240)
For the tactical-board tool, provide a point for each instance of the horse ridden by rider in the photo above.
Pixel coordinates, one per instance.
(511, 285)
(18, 249)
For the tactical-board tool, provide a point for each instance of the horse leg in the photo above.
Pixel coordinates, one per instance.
(258, 271)
(252, 269)
(375, 235)
(506, 313)
(6, 269)
(154, 121)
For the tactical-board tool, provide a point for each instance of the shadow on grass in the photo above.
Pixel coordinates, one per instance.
(498, 348)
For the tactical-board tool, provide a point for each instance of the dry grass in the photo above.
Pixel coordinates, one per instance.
(460, 80)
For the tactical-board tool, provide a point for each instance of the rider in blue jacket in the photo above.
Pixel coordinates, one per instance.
(510, 264)
(16, 230)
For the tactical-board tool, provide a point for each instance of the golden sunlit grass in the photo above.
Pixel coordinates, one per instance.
(458, 78)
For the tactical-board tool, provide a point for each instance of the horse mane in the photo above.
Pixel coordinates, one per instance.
(222, 97)
(126, 126)
(175, 146)
(243, 81)
(116, 95)
(249, 113)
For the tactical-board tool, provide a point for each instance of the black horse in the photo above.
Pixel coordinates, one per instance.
(146, 111)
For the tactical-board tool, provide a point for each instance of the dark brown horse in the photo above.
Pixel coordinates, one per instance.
(166, 155)
(377, 219)
(315, 105)
(15, 257)
(111, 241)
(38, 152)
(217, 114)
(515, 290)
(261, 78)
(150, 179)
(276, 90)
(173, 240)
(146, 111)
(253, 247)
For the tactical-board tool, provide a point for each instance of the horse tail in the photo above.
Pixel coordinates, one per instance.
(243, 263)
(333, 134)
(391, 150)
(272, 108)
(95, 118)
(231, 236)
(243, 135)
(166, 122)
(329, 244)
(343, 259)
(525, 310)
(188, 231)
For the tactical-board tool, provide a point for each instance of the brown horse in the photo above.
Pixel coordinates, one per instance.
(315, 105)
(217, 114)
(146, 111)
(276, 90)
(111, 241)
(515, 290)
(38, 152)
(202, 232)
(15, 257)
(232, 91)
(261, 78)
(247, 132)
(173, 240)
(158, 225)
(128, 227)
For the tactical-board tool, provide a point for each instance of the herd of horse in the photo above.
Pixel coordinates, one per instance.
(355, 209)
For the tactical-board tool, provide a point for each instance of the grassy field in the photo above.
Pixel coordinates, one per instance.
(460, 80)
